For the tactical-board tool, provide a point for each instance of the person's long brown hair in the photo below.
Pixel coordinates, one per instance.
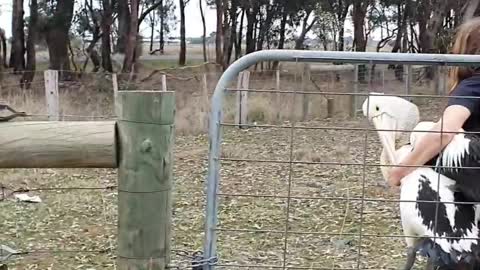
(467, 41)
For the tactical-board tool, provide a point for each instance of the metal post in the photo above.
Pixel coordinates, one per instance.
(145, 134)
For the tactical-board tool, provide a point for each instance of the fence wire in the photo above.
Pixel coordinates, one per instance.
(287, 202)
(271, 148)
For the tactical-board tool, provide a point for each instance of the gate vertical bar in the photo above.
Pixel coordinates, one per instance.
(146, 138)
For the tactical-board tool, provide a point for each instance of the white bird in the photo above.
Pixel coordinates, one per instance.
(447, 234)
(458, 160)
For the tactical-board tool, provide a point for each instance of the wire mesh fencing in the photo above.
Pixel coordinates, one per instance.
(298, 188)
(308, 192)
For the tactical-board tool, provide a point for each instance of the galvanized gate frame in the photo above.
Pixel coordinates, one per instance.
(210, 258)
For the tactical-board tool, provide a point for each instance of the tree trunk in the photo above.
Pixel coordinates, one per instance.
(359, 40)
(238, 45)
(204, 36)
(28, 76)
(219, 33)
(131, 45)
(342, 15)
(3, 44)
(233, 32)
(123, 25)
(3, 47)
(305, 29)
(152, 35)
(341, 35)
(162, 31)
(106, 23)
(283, 28)
(430, 28)
(17, 54)
(58, 39)
(251, 22)
(183, 45)
(400, 24)
(265, 27)
(226, 32)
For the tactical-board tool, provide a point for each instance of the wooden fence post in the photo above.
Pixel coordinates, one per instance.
(116, 107)
(242, 99)
(442, 73)
(164, 82)
(278, 96)
(206, 101)
(353, 99)
(306, 75)
(408, 81)
(146, 138)
(51, 94)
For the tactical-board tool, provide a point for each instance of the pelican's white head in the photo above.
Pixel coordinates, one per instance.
(390, 113)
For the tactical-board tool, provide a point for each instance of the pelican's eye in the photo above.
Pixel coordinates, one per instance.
(377, 108)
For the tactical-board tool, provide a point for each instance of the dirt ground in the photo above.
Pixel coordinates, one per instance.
(333, 215)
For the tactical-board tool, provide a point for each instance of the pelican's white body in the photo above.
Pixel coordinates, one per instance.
(412, 223)
(388, 112)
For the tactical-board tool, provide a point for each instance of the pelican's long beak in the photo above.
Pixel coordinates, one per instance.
(387, 138)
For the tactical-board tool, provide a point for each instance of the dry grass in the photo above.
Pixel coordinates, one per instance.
(325, 199)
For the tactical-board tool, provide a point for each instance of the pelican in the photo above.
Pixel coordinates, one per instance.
(462, 151)
(449, 236)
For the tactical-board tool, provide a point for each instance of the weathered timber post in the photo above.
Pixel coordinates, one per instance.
(53, 144)
(145, 129)
(353, 100)
(241, 115)
(51, 94)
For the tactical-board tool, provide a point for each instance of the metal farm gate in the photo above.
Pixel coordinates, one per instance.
(211, 258)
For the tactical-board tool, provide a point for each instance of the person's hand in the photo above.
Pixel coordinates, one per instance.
(395, 175)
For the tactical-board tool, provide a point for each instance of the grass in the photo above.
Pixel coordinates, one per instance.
(76, 229)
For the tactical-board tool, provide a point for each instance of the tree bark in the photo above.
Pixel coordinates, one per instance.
(219, 32)
(107, 20)
(305, 29)
(238, 45)
(283, 29)
(341, 35)
(3, 53)
(131, 45)
(3, 44)
(57, 37)
(342, 15)
(152, 34)
(359, 14)
(123, 25)
(162, 30)
(226, 30)
(429, 29)
(359, 40)
(400, 24)
(251, 22)
(28, 76)
(233, 31)
(183, 45)
(204, 35)
(17, 54)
